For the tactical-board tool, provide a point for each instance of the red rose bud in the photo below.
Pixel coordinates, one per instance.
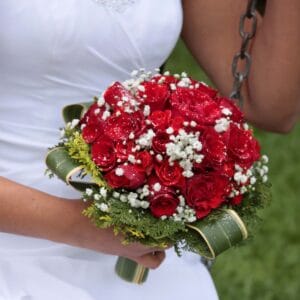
(159, 141)
(163, 203)
(160, 119)
(119, 127)
(145, 161)
(206, 192)
(177, 123)
(237, 200)
(169, 175)
(227, 169)
(205, 89)
(117, 96)
(103, 153)
(93, 116)
(154, 95)
(124, 149)
(91, 132)
(242, 147)
(126, 176)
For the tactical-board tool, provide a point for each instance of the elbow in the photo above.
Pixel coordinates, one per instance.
(281, 125)
(285, 127)
(286, 122)
(279, 119)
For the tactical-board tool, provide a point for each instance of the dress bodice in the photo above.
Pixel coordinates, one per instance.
(56, 52)
(59, 52)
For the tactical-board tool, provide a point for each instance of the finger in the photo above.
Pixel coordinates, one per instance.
(165, 247)
(151, 260)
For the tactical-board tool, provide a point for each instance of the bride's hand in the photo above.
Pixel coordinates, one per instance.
(82, 233)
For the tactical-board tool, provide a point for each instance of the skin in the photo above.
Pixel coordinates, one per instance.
(210, 32)
(272, 93)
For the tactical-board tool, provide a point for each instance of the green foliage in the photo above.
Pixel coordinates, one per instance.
(138, 226)
(79, 150)
(252, 204)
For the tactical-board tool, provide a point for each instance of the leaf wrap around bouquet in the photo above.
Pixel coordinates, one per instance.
(163, 160)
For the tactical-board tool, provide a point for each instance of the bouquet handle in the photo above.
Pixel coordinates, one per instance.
(131, 271)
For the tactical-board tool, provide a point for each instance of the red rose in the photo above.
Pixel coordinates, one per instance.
(163, 204)
(195, 105)
(212, 93)
(177, 123)
(91, 132)
(126, 176)
(93, 115)
(160, 119)
(169, 175)
(242, 147)
(163, 201)
(206, 192)
(155, 95)
(227, 169)
(146, 161)
(159, 141)
(204, 88)
(119, 127)
(103, 153)
(117, 93)
(236, 200)
(214, 147)
(123, 149)
(93, 122)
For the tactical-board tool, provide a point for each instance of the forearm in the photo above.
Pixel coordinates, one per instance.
(274, 83)
(29, 212)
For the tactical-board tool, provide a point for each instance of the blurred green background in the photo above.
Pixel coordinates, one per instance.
(268, 267)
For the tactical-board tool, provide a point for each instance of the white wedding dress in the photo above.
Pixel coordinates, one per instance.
(54, 53)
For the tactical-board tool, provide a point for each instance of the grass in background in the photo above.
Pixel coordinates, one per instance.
(268, 267)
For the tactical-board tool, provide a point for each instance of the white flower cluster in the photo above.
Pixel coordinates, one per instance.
(138, 76)
(100, 198)
(261, 168)
(185, 148)
(145, 140)
(184, 213)
(70, 125)
(246, 180)
(134, 199)
(222, 125)
(138, 200)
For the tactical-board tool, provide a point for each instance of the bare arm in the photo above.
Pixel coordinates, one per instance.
(29, 212)
(272, 92)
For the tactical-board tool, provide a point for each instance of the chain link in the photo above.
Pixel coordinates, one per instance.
(241, 73)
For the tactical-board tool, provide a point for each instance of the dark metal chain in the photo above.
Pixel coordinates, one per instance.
(242, 60)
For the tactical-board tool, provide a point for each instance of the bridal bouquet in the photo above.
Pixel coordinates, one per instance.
(164, 160)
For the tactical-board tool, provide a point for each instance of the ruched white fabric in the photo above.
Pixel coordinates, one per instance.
(53, 53)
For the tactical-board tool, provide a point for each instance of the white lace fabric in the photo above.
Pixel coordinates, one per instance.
(116, 5)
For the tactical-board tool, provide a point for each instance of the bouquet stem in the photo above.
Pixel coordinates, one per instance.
(131, 271)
